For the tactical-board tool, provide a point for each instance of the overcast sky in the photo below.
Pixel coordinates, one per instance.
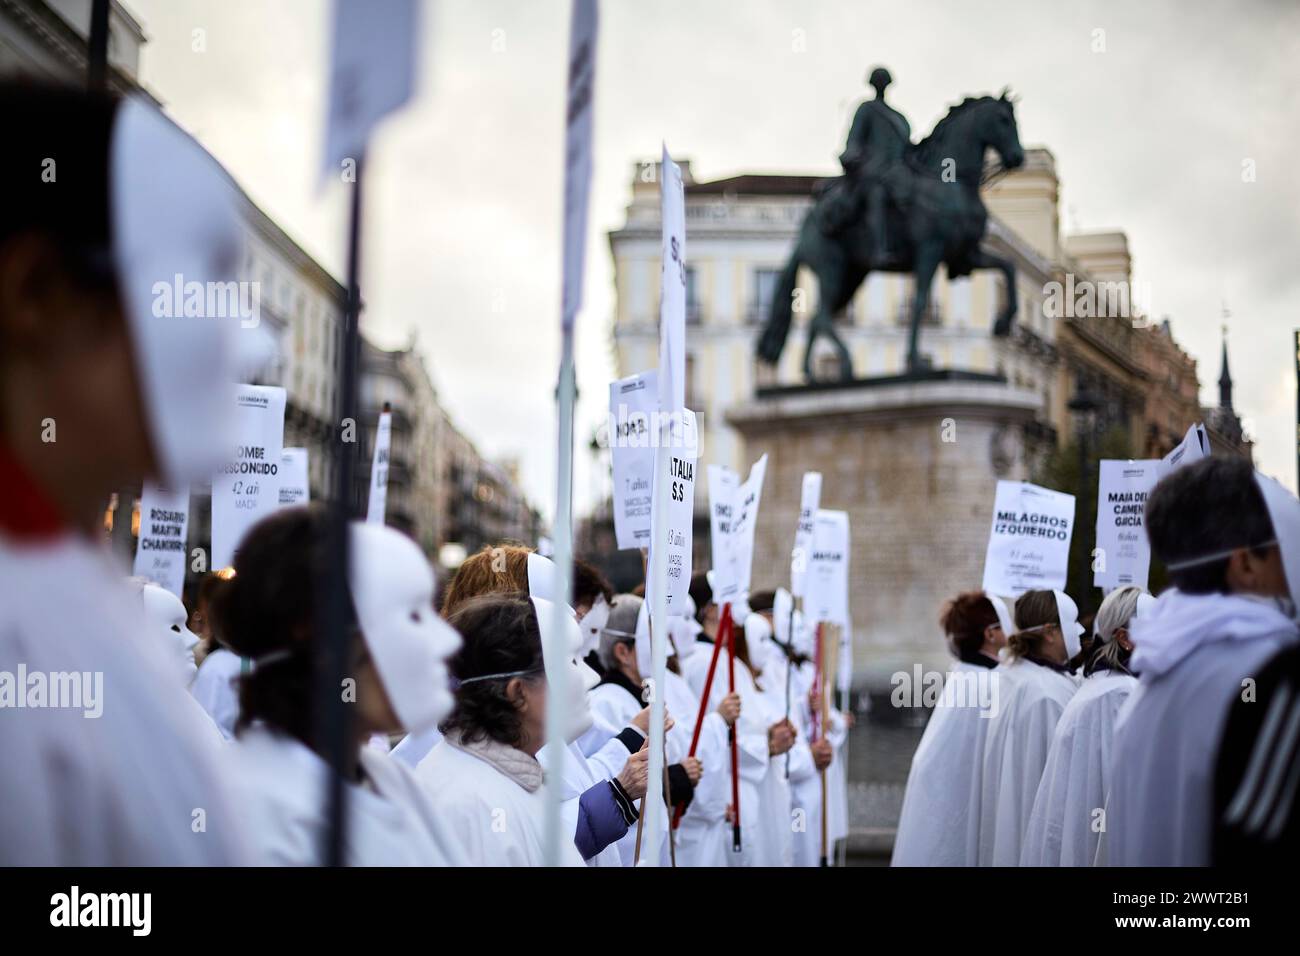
(464, 198)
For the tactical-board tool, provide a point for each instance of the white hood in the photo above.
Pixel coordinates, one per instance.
(1177, 624)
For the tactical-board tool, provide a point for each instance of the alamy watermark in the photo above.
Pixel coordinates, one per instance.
(208, 300)
(72, 690)
(959, 688)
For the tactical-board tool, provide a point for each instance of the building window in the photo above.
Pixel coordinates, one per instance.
(692, 297)
(765, 285)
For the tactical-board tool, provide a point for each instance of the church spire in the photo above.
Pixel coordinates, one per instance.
(1225, 377)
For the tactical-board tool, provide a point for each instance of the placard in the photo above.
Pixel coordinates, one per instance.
(733, 513)
(1194, 446)
(809, 501)
(379, 469)
(1029, 543)
(247, 488)
(294, 486)
(676, 462)
(1123, 551)
(633, 415)
(160, 551)
(827, 596)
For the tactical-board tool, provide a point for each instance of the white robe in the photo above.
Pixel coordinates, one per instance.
(281, 785)
(216, 689)
(139, 785)
(615, 706)
(580, 775)
(1066, 822)
(1031, 699)
(702, 831)
(759, 847)
(1191, 653)
(805, 784)
(496, 821)
(939, 823)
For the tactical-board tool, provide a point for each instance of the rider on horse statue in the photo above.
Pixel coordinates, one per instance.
(874, 175)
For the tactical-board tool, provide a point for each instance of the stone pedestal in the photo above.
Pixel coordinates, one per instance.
(914, 463)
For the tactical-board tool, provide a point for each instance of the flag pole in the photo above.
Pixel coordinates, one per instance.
(333, 719)
(730, 626)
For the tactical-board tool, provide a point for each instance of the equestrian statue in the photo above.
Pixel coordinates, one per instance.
(898, 207)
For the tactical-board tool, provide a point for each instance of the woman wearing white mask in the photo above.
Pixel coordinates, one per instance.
(397, 666)
(939, 823)
(624, 654)
(1066, 823)
(484, 776)
(1032, 690)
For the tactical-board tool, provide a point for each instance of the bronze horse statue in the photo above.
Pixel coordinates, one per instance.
(934, 215)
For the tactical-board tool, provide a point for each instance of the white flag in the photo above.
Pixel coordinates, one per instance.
(372, 72)
(809, 501)
(577, 151)
(672, 287)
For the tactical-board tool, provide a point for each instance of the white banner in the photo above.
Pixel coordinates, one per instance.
(248, 488)
(1029, 543)
(577, 151)
(294, 486)
(677, 463)
(672, 287)
(1194, 446)
(827, 596)
(633, 415)
(372, 71)
(160, 550)
(379, 469)
(733, 513)
(1123, 553)
(809, 501)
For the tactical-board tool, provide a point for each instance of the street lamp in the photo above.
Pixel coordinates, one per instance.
(1083, 407)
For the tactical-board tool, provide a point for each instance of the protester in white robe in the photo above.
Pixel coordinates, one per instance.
(1033, 688)
(397, 666)
(939, 822)
(1230, 540)
(759, 738)
(599, 752)
(216, 688)
(624, 651)
(703, 834)
(1068, 818)
(484, 776)
(114, 768)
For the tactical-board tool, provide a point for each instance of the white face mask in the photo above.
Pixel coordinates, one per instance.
(392, 589)
(758, 640)
(166, 616)
(1068, 614)
(581, 678)
(644, 659)
(174, 221)
(684, 632)
(782, 605)
(592, 623)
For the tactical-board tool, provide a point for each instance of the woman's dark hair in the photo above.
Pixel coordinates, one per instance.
(701, 593)
(1033, 609)
(964, 620)
(500, 635)
(269, 607)
(1209, 506)
(589, 583)
(55, 166)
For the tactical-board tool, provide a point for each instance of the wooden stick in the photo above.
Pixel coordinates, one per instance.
(731, 731)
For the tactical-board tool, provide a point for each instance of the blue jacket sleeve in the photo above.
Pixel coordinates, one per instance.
(601, 819)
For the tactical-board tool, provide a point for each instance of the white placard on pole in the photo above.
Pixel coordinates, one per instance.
(1123, 553)
(1029, 543)
(809, 501)
(577, 151)
(379, 468)
(733, 513)
(670, 535)
(372, 72)
(1194, 446)
(633, 416)
(160, 552)
(827, 595)
(295, 488)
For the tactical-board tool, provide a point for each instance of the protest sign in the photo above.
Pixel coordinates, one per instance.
(1029, 543)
